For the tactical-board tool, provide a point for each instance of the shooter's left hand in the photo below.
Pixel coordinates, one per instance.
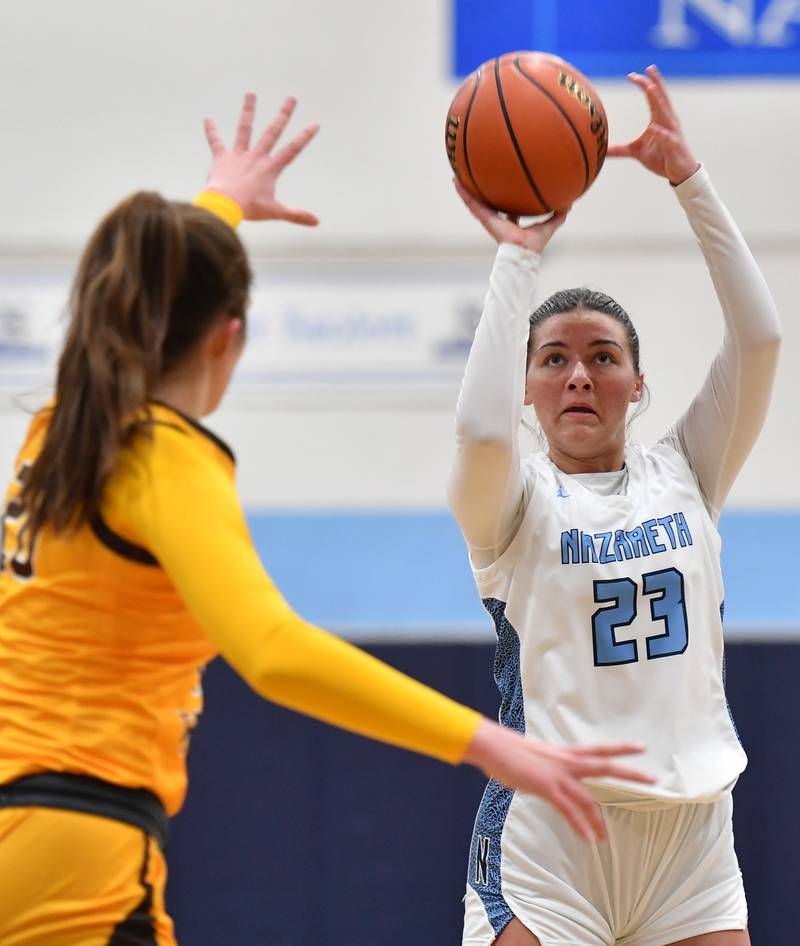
(662, 147)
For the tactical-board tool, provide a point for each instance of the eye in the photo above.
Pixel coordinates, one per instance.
(555, 358)
(605, 358)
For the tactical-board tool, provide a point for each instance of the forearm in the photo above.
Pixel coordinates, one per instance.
(185, 511)
(308, 670)
(750, 315)
(723, 421)
(484, 485)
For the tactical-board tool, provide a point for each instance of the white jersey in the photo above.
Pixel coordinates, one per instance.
(606, 588)
(608, 614)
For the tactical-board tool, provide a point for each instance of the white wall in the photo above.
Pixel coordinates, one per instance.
(99, 99)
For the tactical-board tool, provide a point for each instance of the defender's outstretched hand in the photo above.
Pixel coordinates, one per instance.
(552, 772)
(506, 229)
(662, 147)
(249, 175)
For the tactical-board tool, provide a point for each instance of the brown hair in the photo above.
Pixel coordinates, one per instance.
(154, 277)
(570, 300)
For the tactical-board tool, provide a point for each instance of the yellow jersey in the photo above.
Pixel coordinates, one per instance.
(104, 630)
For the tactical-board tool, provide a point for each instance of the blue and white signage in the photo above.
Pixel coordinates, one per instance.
(610, 38)
(361, 329)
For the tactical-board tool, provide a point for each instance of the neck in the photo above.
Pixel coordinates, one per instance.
(607, 462)
(188, 394)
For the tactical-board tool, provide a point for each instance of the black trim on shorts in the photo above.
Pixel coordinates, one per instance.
(91, 796)
(138, 928)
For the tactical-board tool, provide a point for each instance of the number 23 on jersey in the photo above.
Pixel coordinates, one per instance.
(664, 591)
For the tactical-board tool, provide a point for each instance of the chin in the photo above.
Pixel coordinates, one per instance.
(581, 447)
(585, 450)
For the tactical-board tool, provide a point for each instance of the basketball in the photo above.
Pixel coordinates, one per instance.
(526, 133)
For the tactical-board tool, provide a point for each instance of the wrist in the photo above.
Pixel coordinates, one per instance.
(223, 205)
(519, 254)
(683, 175)
(475, 753)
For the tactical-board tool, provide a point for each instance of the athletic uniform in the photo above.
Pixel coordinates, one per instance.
(606, 593)
(103, 635)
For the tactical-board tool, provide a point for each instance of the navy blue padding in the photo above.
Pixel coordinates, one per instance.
(298, 834)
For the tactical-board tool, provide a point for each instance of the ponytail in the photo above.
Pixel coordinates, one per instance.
(153, 278)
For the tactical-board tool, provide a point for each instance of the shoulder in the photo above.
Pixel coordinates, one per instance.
(166, 438)
(167, 454)
(669, 456)
(666, 463)
(536, 471)
(665, 454)
(171, 465)
(173, 429)
(37, 428)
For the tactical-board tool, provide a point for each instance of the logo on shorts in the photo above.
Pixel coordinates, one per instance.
(482, 861)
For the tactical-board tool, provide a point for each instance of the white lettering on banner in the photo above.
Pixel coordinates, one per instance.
(405, 327)
(733, 19)
(772, 30)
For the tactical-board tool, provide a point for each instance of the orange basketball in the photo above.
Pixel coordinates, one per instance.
(526, 133)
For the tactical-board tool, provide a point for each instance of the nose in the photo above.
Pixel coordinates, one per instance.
(579, 379)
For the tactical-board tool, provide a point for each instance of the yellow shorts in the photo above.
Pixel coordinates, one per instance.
(74, 879)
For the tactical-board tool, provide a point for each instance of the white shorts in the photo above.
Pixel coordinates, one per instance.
(666, 873)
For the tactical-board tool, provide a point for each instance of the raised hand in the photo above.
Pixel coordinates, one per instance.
(551, 772)
(662, 147)
(534, 237)
(249, 175)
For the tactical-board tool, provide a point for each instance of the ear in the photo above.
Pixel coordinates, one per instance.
(224, 337)
(528, 392)
(638, 389)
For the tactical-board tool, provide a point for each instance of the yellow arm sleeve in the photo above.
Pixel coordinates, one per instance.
(187, 512)
(223, 206)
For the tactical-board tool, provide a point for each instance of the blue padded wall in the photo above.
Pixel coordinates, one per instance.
(295, 834)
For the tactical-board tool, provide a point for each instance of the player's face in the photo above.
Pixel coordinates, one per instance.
(581, 380)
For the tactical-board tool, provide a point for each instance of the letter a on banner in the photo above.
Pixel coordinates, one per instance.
(732, 19)
(772, 29)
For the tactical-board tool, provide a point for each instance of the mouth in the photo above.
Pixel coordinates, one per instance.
(579, 409)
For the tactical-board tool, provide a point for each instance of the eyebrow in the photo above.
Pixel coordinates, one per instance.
(595, 344)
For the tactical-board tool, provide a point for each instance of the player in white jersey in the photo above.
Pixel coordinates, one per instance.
(579, 548)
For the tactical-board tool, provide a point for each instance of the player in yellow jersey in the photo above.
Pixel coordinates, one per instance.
(127, 565)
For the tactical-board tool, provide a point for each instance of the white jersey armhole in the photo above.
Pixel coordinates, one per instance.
(672, 441)
(508, 551)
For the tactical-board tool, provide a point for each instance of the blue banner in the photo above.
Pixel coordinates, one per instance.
(610, 38)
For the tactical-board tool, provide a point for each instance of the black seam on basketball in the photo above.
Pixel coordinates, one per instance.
(466, 123)
(567, 119)
(509, 126)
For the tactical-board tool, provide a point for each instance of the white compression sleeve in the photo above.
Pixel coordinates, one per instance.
(485, 487)
(720, 426)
